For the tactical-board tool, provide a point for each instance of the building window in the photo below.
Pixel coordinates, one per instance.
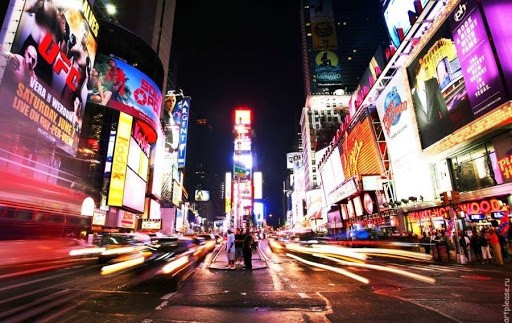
(475, 169)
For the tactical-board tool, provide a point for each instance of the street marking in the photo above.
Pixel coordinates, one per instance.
(303, 295)
(167, 296)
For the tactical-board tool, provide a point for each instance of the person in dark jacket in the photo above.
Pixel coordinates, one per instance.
(247, 249)
(475, 245)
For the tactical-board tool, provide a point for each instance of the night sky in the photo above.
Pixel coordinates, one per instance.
(243, 53)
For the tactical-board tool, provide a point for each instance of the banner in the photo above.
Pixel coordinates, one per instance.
(481, 74)
(327, 68)
(438, 89)
(49, 64)
(182, 112)
(121, 86)
(400, 15)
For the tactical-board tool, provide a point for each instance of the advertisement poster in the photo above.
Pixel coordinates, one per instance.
(400, 15)
(327, 68)
(323, 28)
(438, 89)
(47, 69)
(396, 113)
(183, 113)
(483, 81)
(497, 14)
(359, 153)
(121, 86)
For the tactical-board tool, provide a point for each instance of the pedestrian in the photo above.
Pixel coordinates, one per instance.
(230, 249)
(465, 250)
(484, 246)
(239, 243)
(425, 242)
(494, 242)
(475, 245)
(247, 249)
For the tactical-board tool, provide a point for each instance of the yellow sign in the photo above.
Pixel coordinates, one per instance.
(119, 160)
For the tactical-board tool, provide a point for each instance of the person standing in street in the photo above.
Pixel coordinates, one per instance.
(230, 250)
(239, 243)
(495, 245)
(247, 249)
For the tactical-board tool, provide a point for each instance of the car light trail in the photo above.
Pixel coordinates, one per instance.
(333, 269)
(397, 271)
(110, 269)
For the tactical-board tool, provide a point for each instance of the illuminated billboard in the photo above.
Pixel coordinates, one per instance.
(183, 112)
(243, 144)
(438, 89)
(396, 113)
(121, 86)
(359, 152)
(227, 183)
(129, 166)
(47, 68)
(497, 13)
(327, 68)
(323, 28)
(201, 195)
(243, 117)
(400, 15)
(119, 160)
(481, 74)
(293, 160)
(258, 185)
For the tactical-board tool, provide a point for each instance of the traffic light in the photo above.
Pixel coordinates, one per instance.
(455, 196)
(444, 198)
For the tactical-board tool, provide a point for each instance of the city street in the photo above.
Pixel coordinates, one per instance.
(280, 289)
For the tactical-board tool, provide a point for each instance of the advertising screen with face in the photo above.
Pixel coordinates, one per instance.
(438, 89)
(47, 69)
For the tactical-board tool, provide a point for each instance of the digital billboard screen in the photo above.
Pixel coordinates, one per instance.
(359, 152)
(119, 85)
(400, 15)
(481, 74)
(438, 89)
(47, 69)
(497, 13)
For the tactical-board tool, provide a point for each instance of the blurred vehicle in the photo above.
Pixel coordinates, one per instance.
(124, 246)
(20, 222)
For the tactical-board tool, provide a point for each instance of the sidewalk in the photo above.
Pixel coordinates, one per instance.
(220, 261)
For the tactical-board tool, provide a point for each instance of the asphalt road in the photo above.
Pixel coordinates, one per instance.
(289, 289)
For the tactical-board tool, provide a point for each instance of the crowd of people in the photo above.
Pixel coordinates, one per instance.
(485, 246)
(239, 247)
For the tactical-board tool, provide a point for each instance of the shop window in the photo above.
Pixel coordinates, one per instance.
(475, 169)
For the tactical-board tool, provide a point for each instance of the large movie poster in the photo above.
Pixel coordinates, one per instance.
(43, 91)
(438, 89)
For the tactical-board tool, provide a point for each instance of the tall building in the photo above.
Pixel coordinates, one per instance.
(338, 40)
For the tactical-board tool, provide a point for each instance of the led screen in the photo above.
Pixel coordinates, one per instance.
(440, 98)
(400, 15)
(134, 191)
(121, 86)
(202, 195)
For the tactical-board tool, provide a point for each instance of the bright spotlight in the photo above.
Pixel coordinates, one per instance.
(111, 9)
